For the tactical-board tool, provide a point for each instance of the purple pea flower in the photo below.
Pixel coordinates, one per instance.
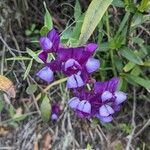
(102, 102)
(55, 111)
(50, 43)
(78, 64)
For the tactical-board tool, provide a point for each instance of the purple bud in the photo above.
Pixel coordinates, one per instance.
(84, 106)
(120, 97)
(106, 96)
(46, 74)
(54, 117)
(92, 65)
(105, 110)
(73, 102)
(45, 43)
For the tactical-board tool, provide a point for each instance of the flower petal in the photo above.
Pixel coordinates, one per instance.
(74, 81)
(84, 106)
(120, 97)
(54, 37)
(70, 63)
(106, 95)
(110, 85)
(73, 102)
(91, 47)
(79, 81)
(92, 65)
(64, 53)
(46, 74)
(45, 43)
(106, 119)
(43, 56)
(105, 110)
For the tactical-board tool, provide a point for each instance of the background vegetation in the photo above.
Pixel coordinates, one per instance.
(120, 28)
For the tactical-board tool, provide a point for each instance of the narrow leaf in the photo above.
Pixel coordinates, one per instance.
(47, 18)
(130, 65)
(19, 58)
(130, 55)
(143, 82)
(77, 10)
(33, 55)
(93, 16)
(28, 69)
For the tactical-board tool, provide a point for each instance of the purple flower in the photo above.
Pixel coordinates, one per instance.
(102, 102)
(50, 43)
(78, 64)
(55, 111)
(46, 74)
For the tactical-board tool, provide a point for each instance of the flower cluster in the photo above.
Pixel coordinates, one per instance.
(78, 64)
(101, 102)
(75, 63)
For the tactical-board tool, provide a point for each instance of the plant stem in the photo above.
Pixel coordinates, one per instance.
(107, 26)
(113, 63)
(49, 86)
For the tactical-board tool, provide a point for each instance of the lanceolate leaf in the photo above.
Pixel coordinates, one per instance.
(47, 18)
(77, 10)
(28, 69)
(130, 55)
(134, 79)
(93, 16)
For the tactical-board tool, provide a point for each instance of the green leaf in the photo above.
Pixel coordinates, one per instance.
(19, 117)
(130, 65)
(28, 32)
(44, 30)
(88, 147)
(145, 4)
(33, 55)
(77, 10)
(47, 18)
(118, 3)
(19, 58)
(138, 80)
(31, 89)
(93, 16)
(130, 55)
(136, 71)
(11, 111)
(45, 109)
(28, 69)
(78, 26)
(147, 63)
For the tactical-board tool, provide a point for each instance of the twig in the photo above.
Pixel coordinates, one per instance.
(133, 121)
(142, 129)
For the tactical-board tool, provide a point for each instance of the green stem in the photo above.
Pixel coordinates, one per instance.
(49, 86)
(107, 26)
(113, 63)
